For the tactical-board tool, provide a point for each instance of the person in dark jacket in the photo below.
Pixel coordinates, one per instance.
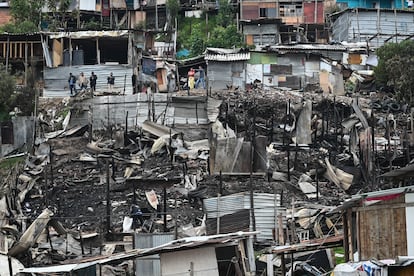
(111, 82)
(92, 80)
(72, 83)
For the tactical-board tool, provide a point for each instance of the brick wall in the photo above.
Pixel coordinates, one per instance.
(4, 16)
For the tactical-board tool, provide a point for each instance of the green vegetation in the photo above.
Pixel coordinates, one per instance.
(26, 16)
(7, 88)
(396, 68)
(9, 163)
(57, 17)
(10, 97)
(341, 252)
(219, 31)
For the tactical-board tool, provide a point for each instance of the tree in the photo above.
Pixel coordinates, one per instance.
(173, 7)
(225, 14)
(57, 17)
(26, 16)
(396, 67)
(228, 37)
(7, 88)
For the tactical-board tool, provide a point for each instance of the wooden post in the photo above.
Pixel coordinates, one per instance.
(252, 137)
(346, 240)
(81, 242)
(221, 184)
(25, 62)
(98, 52)
(126, 130)
(283, 263)
(108, 200)
(196, 111)
(164, 190)
(7, 53)
(317, 184)
(51, 166)
(218, 215)
(10, 265)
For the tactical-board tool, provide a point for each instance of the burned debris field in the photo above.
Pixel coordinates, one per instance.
(297, 155)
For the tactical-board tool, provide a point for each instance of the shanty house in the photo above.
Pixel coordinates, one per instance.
(261, 31)
(375, 26)
(379, 224)
(293, 66)
(226, 67)
(102, 52)
(205, 255)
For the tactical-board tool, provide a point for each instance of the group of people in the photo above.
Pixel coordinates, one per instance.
(201, 78)
(82, 82)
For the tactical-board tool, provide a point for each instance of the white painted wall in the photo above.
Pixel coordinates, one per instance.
(204, 262)
(409, 221)
(254, 71)
(87, 5)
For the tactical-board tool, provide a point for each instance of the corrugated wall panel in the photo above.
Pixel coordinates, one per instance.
(224, 205)
(150, 265)
(219, 74)
(340, 28)
(364, 25)
(266, 208)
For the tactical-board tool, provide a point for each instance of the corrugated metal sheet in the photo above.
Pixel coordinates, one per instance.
(266, 209)
(306, 48)
(228, 57)
(219, 74)
(263, 58)
(90, 34)
(56, 79)
(114, 109)
(150, 265)
(375, 26)
(238, 221)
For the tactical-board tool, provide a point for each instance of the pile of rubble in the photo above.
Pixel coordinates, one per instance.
(311, 150)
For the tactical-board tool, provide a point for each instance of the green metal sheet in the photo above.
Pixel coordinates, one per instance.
(262, 58)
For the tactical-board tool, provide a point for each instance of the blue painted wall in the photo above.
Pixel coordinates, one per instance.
(385, 4)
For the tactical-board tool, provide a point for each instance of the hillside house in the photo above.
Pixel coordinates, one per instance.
(375, 26)
(305, 18)
(377, 4)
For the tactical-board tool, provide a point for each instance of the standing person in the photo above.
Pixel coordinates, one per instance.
(92, 80)
(72, 82)
(191, 74)
(201, 77)
(134, 83)
(83, 82)
(111, 82)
